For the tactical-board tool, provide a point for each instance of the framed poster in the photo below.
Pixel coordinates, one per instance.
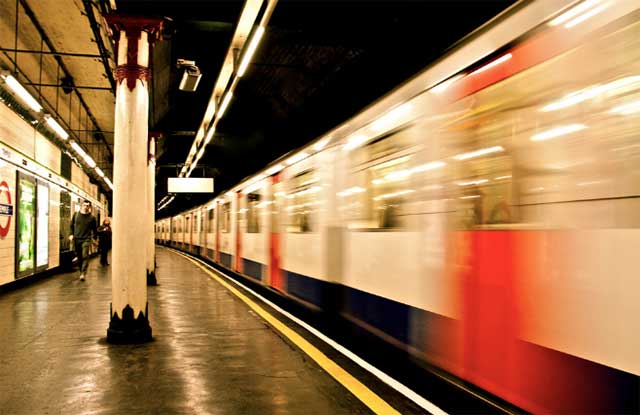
(42, 226)
(26, 225)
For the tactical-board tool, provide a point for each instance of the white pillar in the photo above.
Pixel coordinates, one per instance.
(129, 317)
(151, 209)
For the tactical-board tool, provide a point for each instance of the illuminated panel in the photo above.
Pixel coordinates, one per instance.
(190, 185)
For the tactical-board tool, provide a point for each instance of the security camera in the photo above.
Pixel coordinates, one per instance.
(190, 77)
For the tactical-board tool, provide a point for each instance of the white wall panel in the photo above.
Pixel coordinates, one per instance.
(47, 153)
(54, 226)
(15, 132)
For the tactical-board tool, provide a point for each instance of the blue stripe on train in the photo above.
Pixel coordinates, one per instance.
(309, 289)
(252, 269)
(225, 259)
(422, 329)
(391, 317)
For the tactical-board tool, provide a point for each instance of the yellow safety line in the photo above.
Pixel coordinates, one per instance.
(373, 401)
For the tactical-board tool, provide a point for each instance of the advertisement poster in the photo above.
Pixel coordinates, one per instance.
(42, 245)
(26, 229)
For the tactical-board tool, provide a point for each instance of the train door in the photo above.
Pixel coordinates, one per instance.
(202, 234)
(190, 221)
(276, 279)
(216, 230)
(239, 215)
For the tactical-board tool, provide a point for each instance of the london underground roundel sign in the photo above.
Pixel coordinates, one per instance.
(6, 209)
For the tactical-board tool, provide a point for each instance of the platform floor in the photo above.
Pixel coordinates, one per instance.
(211, 353)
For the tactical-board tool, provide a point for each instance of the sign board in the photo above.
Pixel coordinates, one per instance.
(190, 185)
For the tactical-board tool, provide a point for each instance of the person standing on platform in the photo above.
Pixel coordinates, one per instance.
(83, 230)
(104, 240)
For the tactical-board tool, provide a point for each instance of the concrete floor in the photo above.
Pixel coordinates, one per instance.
(210, 354)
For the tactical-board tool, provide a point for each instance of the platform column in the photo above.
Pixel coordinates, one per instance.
(151, 209)
(129, 311)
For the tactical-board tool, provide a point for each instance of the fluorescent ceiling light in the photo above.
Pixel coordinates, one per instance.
(106, 179)
(22, 93)
(99, 171)
(477, 153)
(490, 65)
(209, 135)
(225, 103)
(557, 132)
(90, 162)
(77, 148)
(253, 44)
(56, 127)
(298, 157)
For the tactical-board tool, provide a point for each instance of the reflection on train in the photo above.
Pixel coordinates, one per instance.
(36, 201)
(484, 216)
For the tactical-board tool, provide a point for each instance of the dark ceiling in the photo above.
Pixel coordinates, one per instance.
(319, 63)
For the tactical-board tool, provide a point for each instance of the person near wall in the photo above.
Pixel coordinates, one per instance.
(104, 240)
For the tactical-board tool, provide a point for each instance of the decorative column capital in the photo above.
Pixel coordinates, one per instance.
(133, 26)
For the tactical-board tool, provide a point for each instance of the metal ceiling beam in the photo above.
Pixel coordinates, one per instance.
(104, 88)
(45, 38)
(104, 53)
(43, 52)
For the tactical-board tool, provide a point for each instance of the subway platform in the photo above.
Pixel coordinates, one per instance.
(216, 349)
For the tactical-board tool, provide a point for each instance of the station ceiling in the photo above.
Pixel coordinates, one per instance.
(319, 63)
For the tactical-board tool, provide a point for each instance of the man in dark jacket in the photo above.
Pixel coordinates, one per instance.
(83, 229)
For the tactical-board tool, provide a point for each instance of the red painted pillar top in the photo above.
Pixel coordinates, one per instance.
(133, 26)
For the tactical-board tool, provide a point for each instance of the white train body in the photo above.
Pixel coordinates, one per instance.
(484, 216)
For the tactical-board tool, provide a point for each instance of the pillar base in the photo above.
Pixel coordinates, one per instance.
(129, 330)
(151, 278)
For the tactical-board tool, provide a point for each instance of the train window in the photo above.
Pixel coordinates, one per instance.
(210, 228)
(225, 218)
(253, 212)
(381, 186)
(302, 203)
(481, 167)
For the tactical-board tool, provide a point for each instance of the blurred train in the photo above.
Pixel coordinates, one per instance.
(484, 216)
(40, 189)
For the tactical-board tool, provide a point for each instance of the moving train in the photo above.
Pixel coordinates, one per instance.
(40, 189)
(484, 216)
